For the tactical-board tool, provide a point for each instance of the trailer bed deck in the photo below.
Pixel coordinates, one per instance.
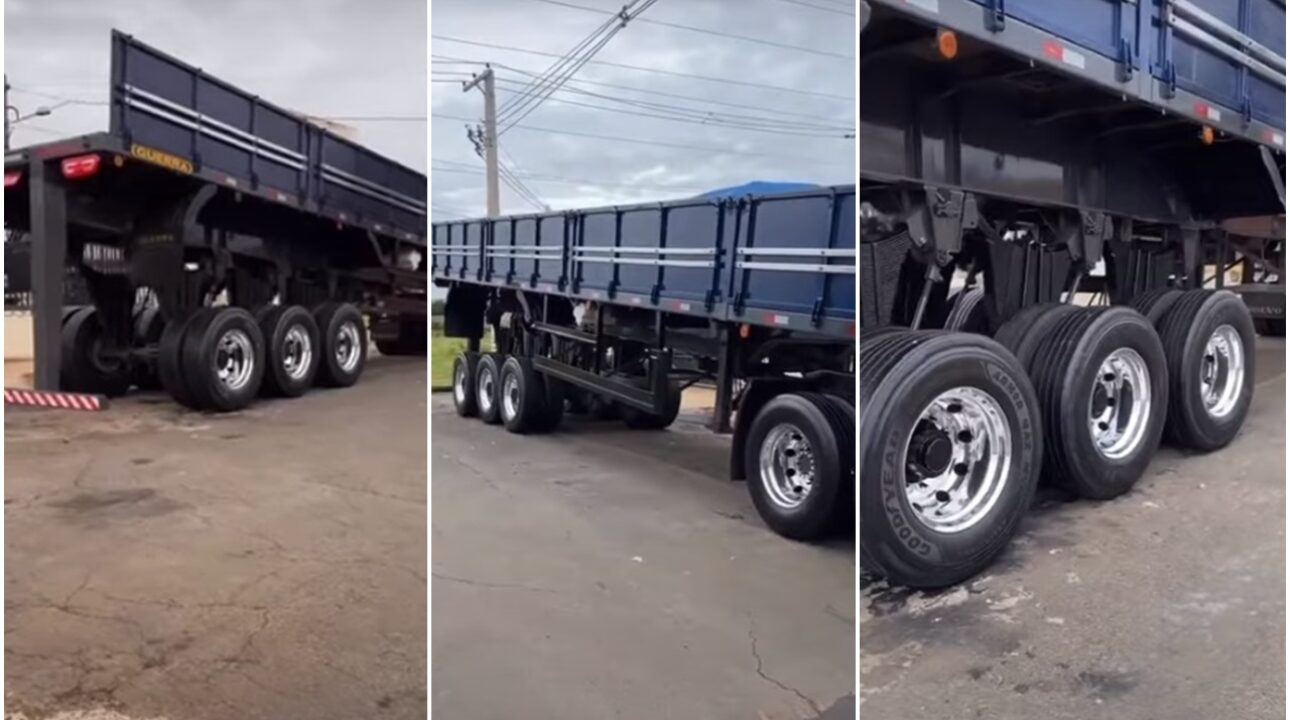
(782, 260)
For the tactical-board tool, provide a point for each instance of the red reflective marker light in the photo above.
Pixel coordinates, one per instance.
(12, 178)
(81, 166)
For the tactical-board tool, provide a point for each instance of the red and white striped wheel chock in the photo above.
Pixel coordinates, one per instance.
(54, 400)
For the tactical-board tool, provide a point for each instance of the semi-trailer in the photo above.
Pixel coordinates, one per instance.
(1051, 195)
(227, 247)
(614, 311)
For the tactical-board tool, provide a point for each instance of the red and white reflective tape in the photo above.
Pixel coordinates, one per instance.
(54, 400)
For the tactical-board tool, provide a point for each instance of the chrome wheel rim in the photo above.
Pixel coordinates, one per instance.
(485, 385)
(459, 383)
(1120, 404)
(965, 431)
(787, 463)
(510, 396)
(234, 359)
(1222, 371)
(347, 347)
(297, 352)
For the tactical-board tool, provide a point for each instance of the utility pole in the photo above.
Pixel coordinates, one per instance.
(484, 81)
(7, 106)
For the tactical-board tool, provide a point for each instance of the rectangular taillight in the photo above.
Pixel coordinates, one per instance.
(12, 178)
(81, 166)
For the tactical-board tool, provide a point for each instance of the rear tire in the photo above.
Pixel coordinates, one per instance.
(1103, 388)
(463, 384)
(1153, 304)
(85, 367)
(149, 324)
(170, 353)
(970, 313)
(223, 359)
(919, 392)
(343, 339)
(1208, 333)
(522, 396)
(488, 387)
(797, 454)
(291, 350)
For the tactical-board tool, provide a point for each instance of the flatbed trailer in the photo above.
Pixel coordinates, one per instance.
(1062, 185)
(229, 247)
(613, 311)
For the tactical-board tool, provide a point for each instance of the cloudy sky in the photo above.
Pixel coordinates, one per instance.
(330, 58)
(809, 120)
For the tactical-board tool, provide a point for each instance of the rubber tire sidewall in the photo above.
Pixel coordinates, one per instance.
(469, 362)
(274, 326)
(79, 372)
(892, 537)
(532, 396)
(170, 364)
(489, 363)
(330, 317)
(200, 346)
(1195, 428)
(1084, 470)
(817, 514)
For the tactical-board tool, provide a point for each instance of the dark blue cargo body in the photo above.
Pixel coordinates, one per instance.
(161, 103)
(781, 260)
(1222, 61)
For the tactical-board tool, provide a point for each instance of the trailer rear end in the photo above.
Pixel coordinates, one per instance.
(1063, 187)
(228, 247)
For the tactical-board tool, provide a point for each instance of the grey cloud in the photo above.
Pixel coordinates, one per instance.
(322, 57)
(669, 172)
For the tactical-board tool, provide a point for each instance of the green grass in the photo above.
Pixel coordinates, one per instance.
(442, 352)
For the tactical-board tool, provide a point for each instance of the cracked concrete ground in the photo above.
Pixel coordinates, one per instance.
(600, 572)
(263, 564)
(1168, 602)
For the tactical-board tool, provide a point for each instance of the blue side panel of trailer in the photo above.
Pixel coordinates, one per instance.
(783, 260)
(162, 104)
(1220, 61)
(1106, 27)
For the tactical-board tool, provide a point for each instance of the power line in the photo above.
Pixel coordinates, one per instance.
(56, 98)
(750, 127)
(708, 116)
(691, 76)
(562, 62)
(516, 163)
(706, 31)
(560, 72)
(374, 118)
(573, 181)
(659, 93)
(819, 7)
(658, 143)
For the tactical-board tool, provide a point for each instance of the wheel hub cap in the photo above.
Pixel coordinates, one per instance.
(297, 352)
(1120, 404)
(787, 463)
(347, 347)
(485, 389)
(234, 359)
(510, 397)
(957, 459)
(1222, 371)
(459, 384)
